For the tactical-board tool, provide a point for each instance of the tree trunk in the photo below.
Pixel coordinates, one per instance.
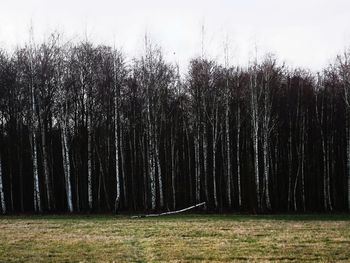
(20, 164)
(2, 196)
(90, 156)
(189, 160)
(116, 146)
(160, 180)
(197, 166)
(302, 163)
(290, 162)
(46, 166)
(66, 167)
(37, 198)
(348, 153)
(228, 153)
(238, 156)
(266, 171)
(123, 167)
(255, 131)
(205, 162)
(173, 166)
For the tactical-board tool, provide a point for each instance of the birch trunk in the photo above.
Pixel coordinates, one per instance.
(173, 168)
(228, 153)
(215, 133)
(290, 161)
(205, 162)
(238, 156)
(348, 152)
(266, 131)
(2, 196)
(20, 166)
(189, 160)
(150, 150)
(159, 169)
(133, 154)
(37, 197)
(151, 167)
(302, 163)
(116, 146)
(255, 131)
(46, 166)
(66, 167)
(205, 151)
(144, 171)
(123, 166)
(197, 167)
(266, 171)
(89, 147)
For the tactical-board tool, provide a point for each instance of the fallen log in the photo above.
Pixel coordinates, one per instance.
(171, 212)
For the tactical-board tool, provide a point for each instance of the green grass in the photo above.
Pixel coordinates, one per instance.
(181, 238)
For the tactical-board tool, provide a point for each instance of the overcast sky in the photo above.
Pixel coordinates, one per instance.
(306, 33)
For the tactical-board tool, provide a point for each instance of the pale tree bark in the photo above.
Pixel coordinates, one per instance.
(255, 133)
(214, 143)
(132, 147)
(2, 196)
(148, 75)
(37, 197)
(66, 166)
(173, 165)
(20, 164)
(322, 119)
(189, 161)
(344, 71)
(238, 120)
(330, 147)
(144, 155)
(116, 153)
(228, 155)
(229, 182)
(123, 165)
(65, 151)
(266, 131)
(290, 161)
(266, 171)
(330, 169)
(159, 169)
(205, 148)
(300, 152)
(228, 149)
(348, 152)
(33, 139)
(197, 165)
(63, 119)
(303, 139)
(151, 159)
(89, 161)
(205, 162)
(46, 167)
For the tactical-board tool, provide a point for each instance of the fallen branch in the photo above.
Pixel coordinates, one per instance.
(171, 212)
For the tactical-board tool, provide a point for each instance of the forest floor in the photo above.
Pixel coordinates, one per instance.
(180, 238)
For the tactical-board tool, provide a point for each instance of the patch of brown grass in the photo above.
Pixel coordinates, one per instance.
(176, 239)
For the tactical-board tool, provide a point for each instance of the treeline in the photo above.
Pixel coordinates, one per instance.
(83, 130)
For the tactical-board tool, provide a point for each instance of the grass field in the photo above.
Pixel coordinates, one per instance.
(182, 238)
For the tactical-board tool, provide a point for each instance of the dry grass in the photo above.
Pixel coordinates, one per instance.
(179, 238)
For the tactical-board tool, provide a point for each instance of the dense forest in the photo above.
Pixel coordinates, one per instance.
(83, 129)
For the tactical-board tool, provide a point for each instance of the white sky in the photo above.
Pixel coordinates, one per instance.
(306, 33)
